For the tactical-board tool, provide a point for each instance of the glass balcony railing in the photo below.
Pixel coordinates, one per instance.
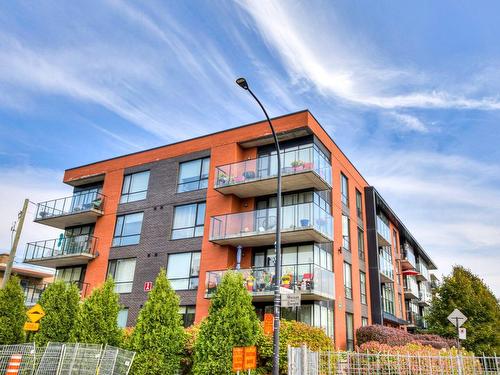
(386, 267)
(411, 286)
(423, 271)
(79, 202)
(260, 222)
(409, 256)
(412, 317)
(304, 278)
(83, 244)
(292, 161)
(383, 230)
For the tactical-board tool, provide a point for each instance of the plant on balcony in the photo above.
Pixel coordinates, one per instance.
(297, 165)
(159, 337)
(12, 313)
(222, 178)
(97, 318)
(60, 301)
(231, 322)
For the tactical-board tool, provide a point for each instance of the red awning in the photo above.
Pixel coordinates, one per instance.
(410, 273)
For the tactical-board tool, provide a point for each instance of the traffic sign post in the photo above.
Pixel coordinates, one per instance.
(291, 300)
(35, 313)
(268, 324)
(457, 318)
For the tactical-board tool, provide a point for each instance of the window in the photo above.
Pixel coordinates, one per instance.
(364, 321)
(189, 221)
(388, 298)
(122, 317)
(348, 280)
(183, 270)
(362, 284)
(128, 229)
(122, 271)
(193, 175)
(359, 205)
(346, 235)
(135, 187)
(70, 275)
(361, 244)
(344, 189)
(349, 331)
(187, 314)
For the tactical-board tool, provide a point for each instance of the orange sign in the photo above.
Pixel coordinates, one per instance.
(268, 324)
(250, 358)
(30, 326)
(238, 359)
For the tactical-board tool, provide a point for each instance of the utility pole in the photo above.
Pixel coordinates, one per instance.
(13, 250)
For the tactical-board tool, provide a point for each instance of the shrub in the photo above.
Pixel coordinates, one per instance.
(12, 313)
(187, 359)
(60, 301)
(97, 318)
(158, 336)
(294, 334)
(231, 322)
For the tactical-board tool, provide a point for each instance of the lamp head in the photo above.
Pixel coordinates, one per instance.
(242, 82)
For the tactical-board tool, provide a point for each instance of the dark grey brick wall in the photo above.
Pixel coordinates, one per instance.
(152, 252)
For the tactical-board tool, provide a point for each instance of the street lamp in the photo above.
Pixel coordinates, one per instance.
(242, 82)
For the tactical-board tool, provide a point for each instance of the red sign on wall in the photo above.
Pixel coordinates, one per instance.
(148, 285)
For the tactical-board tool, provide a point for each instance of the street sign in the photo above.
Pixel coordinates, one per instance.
(462, 333)
(35, 313)
(457, 318)
(250, 358)
(268, 324)
(291, 300)
(148, 285)
(30, 326)
(238, 359)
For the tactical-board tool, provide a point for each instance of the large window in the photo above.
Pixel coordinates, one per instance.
(344, 189)
(187, 314)
(135, 187)
(362, 285)
(128, 229)
(361, 244)
(183, 270)
(193, 175)
(348, 280)
(346, 233)
(122, 317)
(349, 330)
(70, 275)
(388, 298)
(359, 205)
(122, 271)
(189, 221)
(319, 254)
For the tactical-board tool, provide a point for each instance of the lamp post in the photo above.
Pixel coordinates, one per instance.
(277, 296)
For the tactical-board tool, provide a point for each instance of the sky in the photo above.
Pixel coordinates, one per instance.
(410, 91)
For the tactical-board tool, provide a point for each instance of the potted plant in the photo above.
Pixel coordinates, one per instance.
(222, 178)
(304, 222)
(297, 165)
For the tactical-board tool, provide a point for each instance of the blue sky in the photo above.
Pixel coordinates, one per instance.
(409, 91)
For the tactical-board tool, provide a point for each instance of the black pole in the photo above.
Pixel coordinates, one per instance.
(277, 296)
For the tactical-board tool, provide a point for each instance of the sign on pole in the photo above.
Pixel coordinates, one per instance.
(291, 300)
(238, 359)
(457, 318)
(462, 333)
(30, 326)
(250, 358)
(35, 313)
(268, 324)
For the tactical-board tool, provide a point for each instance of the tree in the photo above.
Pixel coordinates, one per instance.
(97, 318)
(159, 337)
(12, 313)
(231, 322)
(60, 301)
(468, 293)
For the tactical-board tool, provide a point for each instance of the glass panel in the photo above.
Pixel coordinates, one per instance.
(289, 255)
(195, 264)
(178, 266)
(122, 318)
(305, 254)
(184, 216)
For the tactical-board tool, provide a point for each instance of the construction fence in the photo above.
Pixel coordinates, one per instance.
(302, 361)
(64, 359)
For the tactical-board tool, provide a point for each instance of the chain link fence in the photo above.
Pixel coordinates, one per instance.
(64, 359)
(302, 361)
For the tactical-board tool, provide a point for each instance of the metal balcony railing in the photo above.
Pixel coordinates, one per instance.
(33, 292)
(75, 245)
(78, 202)
(305, 278)
(292, 161)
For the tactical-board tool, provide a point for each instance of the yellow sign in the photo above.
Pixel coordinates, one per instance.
(250, 362)
(29, 326)
(35, 313)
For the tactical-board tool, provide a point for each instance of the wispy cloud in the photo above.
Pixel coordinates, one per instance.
(408, 122)
(332, 67)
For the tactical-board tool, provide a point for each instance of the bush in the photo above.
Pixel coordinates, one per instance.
(12, 313)
(97, 318)
(294, 334)
(158, 336)
(187, 359)
(397, 337)
(60, 301)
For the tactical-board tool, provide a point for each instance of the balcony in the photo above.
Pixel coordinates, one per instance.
(386, 269)
(423, 272)
(383, 232)
(411, 288)
(33, 292)
(79, 209)
(312, 281)
(301, 169)
(425, 298)
(412, 318)
(61, 252)
(299, 223)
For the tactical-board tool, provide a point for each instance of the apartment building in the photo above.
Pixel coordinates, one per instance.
(205, 205)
